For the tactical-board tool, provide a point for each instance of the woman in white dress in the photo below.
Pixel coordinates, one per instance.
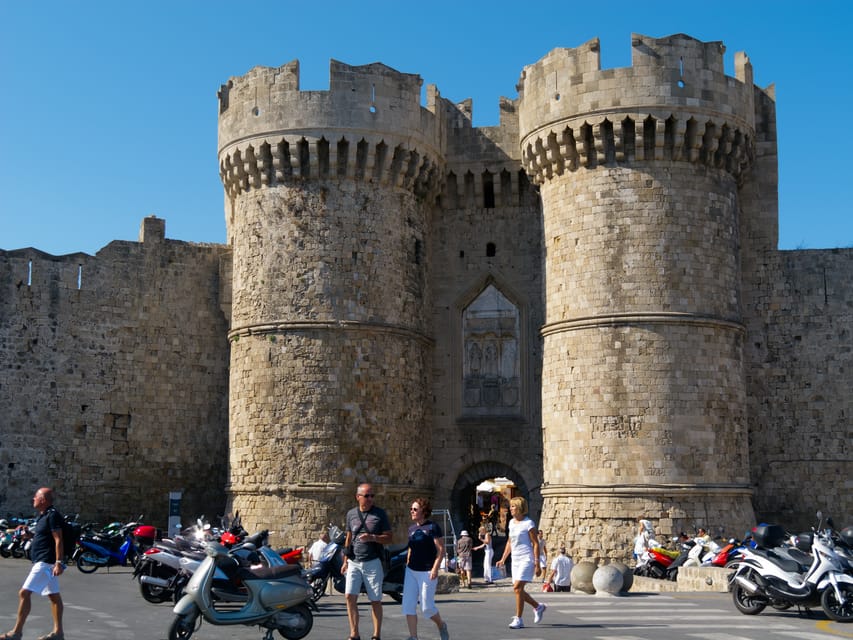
(524, 546)
(488, 553)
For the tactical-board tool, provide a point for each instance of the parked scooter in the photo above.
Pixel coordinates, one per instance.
(767, 577)
(97, 551)
(329, 568)
(19, 542)
(165, 568)
(253, 551)
(655, 562)
(278, 598)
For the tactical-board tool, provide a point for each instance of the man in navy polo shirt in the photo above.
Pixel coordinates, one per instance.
(47, 554)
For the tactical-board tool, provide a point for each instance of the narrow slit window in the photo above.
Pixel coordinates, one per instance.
(79, 276)
(488, 191)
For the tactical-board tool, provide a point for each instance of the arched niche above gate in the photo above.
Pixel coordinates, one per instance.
(491, 357)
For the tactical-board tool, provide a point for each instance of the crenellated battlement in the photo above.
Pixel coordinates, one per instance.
(269, 161)
(674, 103)
(592, 142)
(369, 125)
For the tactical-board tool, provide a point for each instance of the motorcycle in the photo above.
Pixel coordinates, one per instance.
(686, 546)
(291, 555)
(19, 543)
(166, 566)
(96, 551)
(278, 598)
(253, 551)
(655, 562)
(766, 576)
(329, 568)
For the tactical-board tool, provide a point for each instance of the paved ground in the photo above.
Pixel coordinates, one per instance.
(107, 606)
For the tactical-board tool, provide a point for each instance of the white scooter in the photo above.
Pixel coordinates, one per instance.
(766, 577)
(277, 598)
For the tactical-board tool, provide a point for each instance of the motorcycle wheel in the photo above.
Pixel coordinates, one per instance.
(318, 589)
(656, 571)
(18, 552)
(745, 602)
(154, 594)
(833, 608)
(86, 562)
(5, 552)
(301, 629)
(181, 628)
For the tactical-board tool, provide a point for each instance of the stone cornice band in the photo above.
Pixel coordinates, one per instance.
(280, 327)
(640, 490)
(627, 319)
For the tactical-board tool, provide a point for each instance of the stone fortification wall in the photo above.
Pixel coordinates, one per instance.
(329, 200)
(643, 393)
(487, 239)
(800, 358)
(586, 298)
(114, 378)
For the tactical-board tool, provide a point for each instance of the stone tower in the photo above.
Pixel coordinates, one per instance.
(643, 387)
(328, 195)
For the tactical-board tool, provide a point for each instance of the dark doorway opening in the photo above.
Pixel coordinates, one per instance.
(476, 490)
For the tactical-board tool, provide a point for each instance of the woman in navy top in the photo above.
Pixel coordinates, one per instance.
(426, 551)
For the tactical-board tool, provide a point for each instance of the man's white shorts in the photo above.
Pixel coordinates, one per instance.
(41, 579)
(370, 573)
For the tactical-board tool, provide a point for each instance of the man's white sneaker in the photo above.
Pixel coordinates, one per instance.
(517, 623)
(539, 612)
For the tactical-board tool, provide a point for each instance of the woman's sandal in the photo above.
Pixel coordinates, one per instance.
(10, 636)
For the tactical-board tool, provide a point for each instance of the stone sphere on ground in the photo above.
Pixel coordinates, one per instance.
(582, 574)
(607, 580)
(627, 575)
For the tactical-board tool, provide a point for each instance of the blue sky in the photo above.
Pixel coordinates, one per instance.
(108, 110)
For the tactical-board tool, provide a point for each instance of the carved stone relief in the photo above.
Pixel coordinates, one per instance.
(490, 372)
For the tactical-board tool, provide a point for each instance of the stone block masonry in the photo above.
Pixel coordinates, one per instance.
(586, 298)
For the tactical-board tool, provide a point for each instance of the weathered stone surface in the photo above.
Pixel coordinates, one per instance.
(586, 298)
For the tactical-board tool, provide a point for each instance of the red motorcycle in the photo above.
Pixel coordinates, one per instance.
(291, 556)
(654, 563)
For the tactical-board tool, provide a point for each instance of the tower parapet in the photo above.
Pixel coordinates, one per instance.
(368, 126)
(674, 103)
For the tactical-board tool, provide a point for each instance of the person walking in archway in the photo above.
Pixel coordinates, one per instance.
(488, 553)
(524, 546)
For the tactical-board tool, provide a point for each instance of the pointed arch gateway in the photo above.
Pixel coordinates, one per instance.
(464, 489)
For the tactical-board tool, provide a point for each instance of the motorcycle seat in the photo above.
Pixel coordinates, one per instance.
(783, 562)
(269, 573)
